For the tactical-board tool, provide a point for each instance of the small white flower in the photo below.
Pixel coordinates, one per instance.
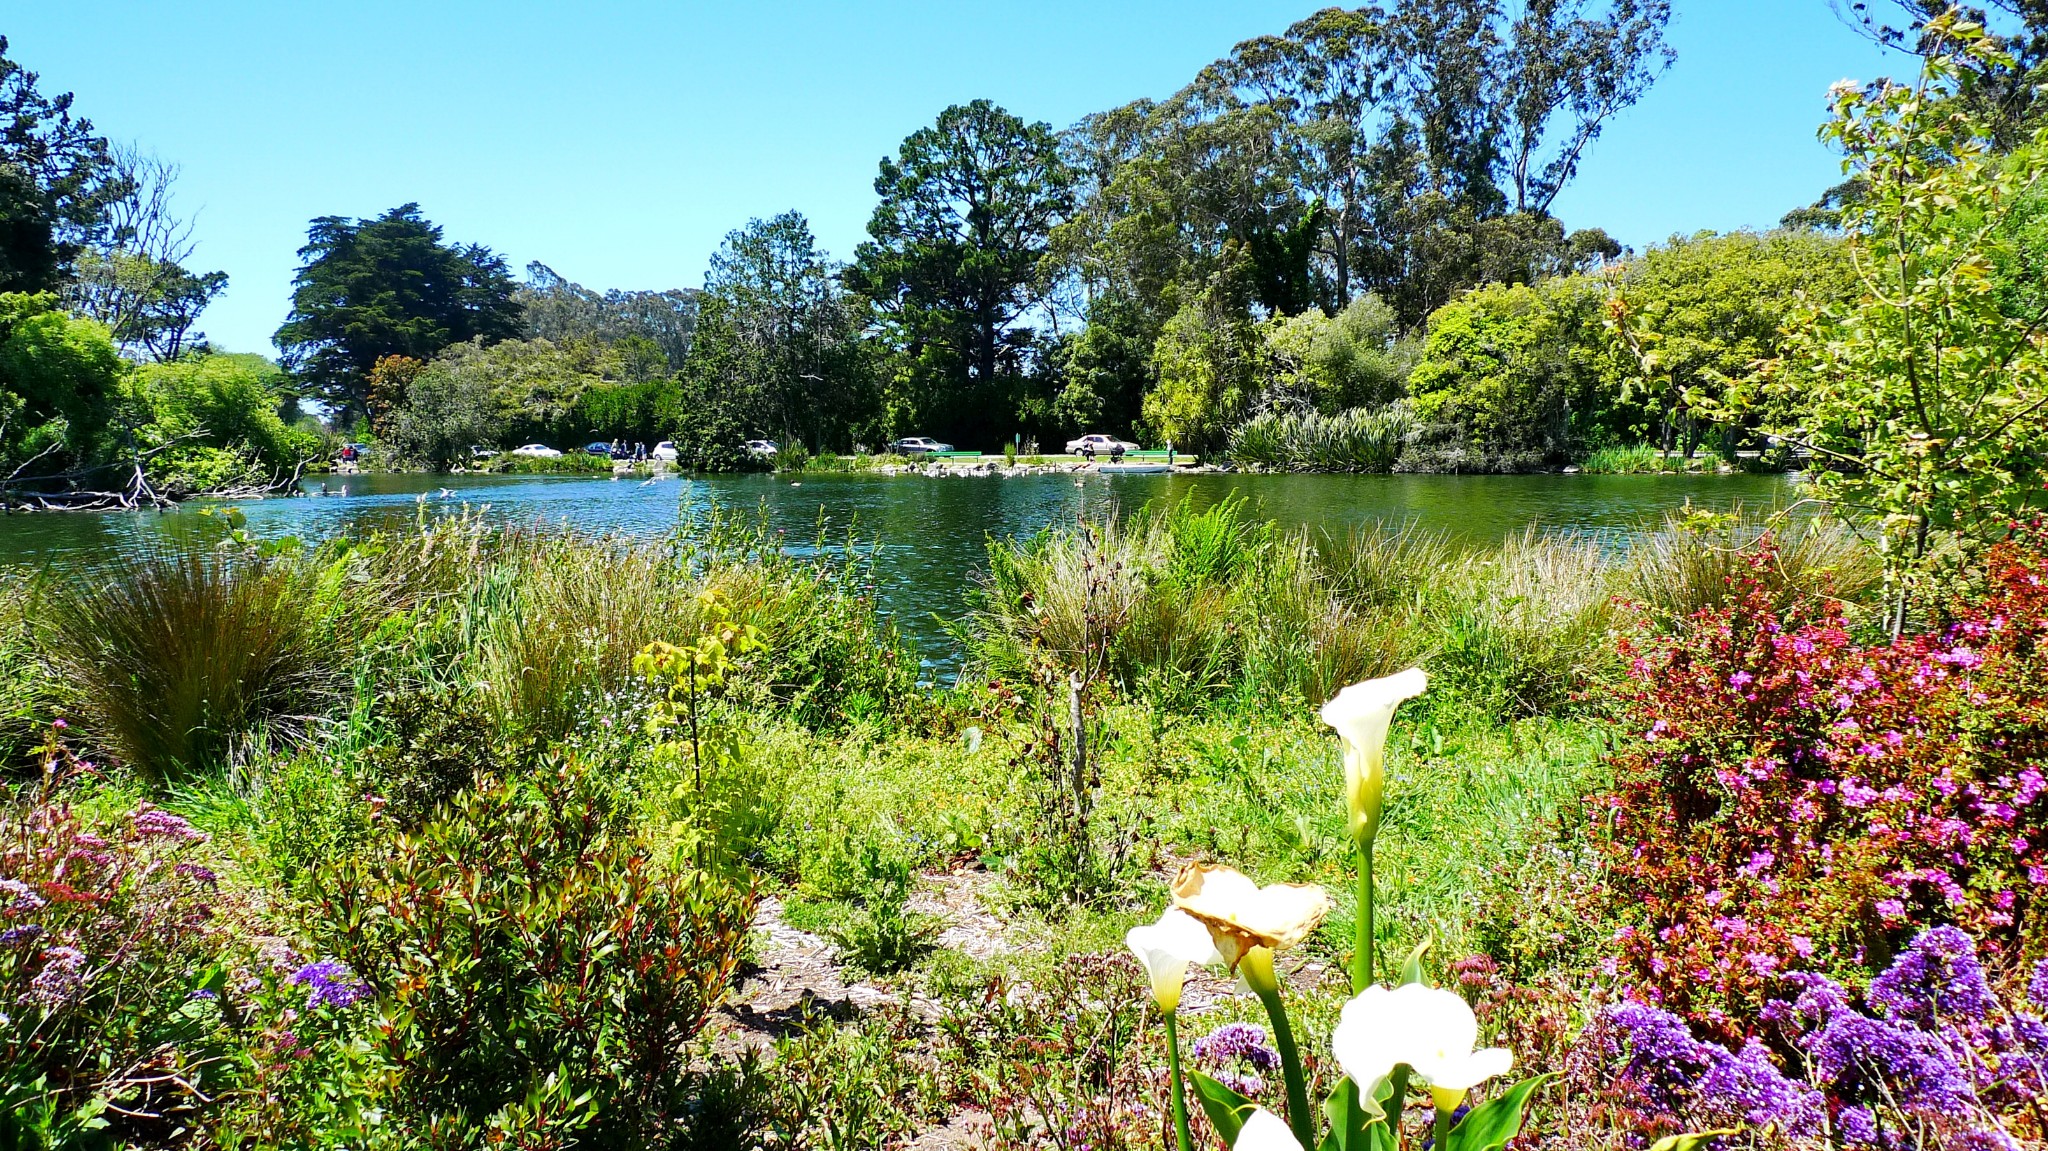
(1166, 948)
(1430, 1030)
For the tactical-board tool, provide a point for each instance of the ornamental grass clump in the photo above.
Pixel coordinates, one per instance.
(1792, 799)
(176, 659)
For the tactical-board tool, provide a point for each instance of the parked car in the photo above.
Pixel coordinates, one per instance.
(482, 452)
(1099, 445)
(537, 451)
(665, 450)
(918, 445)
(762, 447)
(598, 448)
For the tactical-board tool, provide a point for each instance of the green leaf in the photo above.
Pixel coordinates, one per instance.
(1226, 1109)
(1489, 1126)
(1411, 967)
(1355, 1123)
(1692, 1140)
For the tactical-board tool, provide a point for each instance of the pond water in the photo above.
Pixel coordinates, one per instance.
(930, 534)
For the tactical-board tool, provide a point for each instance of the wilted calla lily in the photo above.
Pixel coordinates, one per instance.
(1265, 1131)
(1166, 948)
(1431, 1030)
(1361, 714)
(1241, 915)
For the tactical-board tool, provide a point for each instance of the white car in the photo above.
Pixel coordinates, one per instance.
(1099, 445)
(918, 445)
(537, 451)
(665, 451)
(762, 447)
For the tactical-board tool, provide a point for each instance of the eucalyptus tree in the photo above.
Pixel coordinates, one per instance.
(952, 264)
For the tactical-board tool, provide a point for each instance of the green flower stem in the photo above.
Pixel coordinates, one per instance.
(1257, 969)
(1399, 1103)
(1363, 961)
(1180, 1098)
(1443, 1130)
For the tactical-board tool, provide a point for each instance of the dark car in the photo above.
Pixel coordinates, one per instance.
(597, 449)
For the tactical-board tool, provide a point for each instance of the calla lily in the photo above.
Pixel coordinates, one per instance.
(1430, 1030)
(1241, 915)
(1361, 714)
(1265, 1131)
(1166, 948)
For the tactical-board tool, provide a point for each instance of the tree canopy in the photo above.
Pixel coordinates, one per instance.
(388, 286)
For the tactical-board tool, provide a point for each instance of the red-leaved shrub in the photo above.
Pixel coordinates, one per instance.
(1790, 799)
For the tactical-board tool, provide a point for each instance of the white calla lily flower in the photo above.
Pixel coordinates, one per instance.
(1431, 1030)
(1362, 713)
(1166, 948)
(1265, 1131)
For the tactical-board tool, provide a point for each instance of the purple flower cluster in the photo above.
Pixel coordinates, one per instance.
(155, 823)
(1937, 980)
(18, 898)
(329, 981)
(1676, 1074)
(1233, 1045)
(60, 979)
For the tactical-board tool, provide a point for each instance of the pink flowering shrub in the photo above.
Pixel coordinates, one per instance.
(110, 976)
(1792, 799)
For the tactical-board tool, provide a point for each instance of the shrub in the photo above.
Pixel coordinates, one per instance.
(438, 742)
(175, 658)
(111, 973)
(28, 695)
(527, 945)
(1795, 800)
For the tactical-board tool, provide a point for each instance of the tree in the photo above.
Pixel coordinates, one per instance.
(367, 289)
(60, 383)
(2003, 87)
(56, 180)
(1698, 315)
(213, 422)
(562, 312)
(132, 278)
(1514, 377)
(1924, 394)
(966, 208)
(784, 335)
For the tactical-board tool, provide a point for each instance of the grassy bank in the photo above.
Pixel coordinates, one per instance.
(356, 738)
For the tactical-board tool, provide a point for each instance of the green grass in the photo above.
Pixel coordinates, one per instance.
(1643, 459)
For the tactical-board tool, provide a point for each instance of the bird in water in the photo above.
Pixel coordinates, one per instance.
(446, 493)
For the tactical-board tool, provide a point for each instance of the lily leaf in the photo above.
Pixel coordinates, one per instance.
(1355, 1124)
(1692, 1140)
(1490, 1125)
(1411, 967)
(1226, 1109)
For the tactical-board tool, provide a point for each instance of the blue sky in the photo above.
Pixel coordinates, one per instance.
(619, 140)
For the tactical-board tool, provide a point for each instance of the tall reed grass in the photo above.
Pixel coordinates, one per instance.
(176, 659)
(1356, 440)
(1691, 563)
(1191, 607)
